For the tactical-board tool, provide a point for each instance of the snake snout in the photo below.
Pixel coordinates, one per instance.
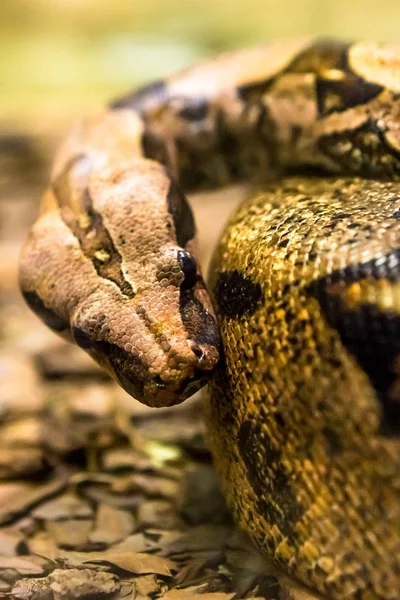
(207, 356)
(166, 391)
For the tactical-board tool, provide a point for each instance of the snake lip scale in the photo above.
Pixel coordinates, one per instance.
(299, 333)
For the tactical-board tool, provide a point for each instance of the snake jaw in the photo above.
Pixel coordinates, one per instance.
(161, 347)
(151, 389)
(147, 385)
(158, 394)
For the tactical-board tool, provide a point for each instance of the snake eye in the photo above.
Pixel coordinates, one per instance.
(189, 269)
(81, 338)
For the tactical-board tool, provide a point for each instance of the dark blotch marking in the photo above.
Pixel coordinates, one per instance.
(195, 109)
(251, 148)
(82, 339)
(333, 441)
(320, 56)
(154, 147)
(340, 216)
(253, 92)
(339, 95)
(143, 99)
(268, 478)
(230, 147)
(268, 587)
(49, 317)
(200, 325)
(370, 334)
(373, 159)
(333, 94)
(189, 269)
(130, 371)
(182, 216)
(237, 295)
(95, 237)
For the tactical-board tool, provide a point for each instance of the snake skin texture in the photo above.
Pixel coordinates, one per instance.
(305, 417)
(303, 347)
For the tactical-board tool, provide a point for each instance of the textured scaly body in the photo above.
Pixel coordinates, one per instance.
(304, 417)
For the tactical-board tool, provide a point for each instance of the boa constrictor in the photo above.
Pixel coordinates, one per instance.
(304, 418)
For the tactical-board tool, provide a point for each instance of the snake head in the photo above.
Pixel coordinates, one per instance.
(111, 260)
(161, 345)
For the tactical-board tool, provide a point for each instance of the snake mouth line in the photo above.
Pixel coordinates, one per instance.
(187, 386)
(157, 394)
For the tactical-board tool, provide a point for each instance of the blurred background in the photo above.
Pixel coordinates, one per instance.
(59, 58)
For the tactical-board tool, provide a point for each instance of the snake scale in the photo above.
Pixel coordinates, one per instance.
(304, 417)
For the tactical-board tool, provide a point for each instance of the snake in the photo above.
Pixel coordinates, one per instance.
(297, 331)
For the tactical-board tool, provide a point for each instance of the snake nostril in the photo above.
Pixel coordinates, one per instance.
(198, 352)
(159, 382)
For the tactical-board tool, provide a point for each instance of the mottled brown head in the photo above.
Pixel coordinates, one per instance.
(112, 261)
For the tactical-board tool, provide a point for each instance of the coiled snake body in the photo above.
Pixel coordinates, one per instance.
(304, 418)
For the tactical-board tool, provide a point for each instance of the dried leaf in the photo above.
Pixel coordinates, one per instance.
(4, 586)
(24, 566)
(203, 537)
(181, 426)
(64, 433)
(190, 573)
(73, 533)
(158, 513)
(20, 393)
(137, 563)
(127, 591)
(137, 542)
(10, 491)
(63, 359)
(130, 459)
(26, 526)
(126, 458)
(65, 506)
(41, 543)
(29, 495)
(152, 486)
(147, 585)
(97, 492)
(111, 526)
(11, 542)
(189, 594)
(94, 400)
(21, 461)
(22, 432)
